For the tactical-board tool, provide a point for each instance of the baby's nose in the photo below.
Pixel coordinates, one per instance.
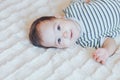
(65, 34)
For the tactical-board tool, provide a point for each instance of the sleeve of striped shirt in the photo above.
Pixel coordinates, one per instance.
(96, 43)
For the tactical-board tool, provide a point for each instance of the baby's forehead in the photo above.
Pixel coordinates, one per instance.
(46, 22)
(46, 32)
(42, 25)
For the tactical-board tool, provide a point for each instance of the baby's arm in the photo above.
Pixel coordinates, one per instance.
(108, 48)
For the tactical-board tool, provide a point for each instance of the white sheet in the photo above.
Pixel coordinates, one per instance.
(20, 60)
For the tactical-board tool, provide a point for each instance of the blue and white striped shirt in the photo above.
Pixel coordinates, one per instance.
(99, 18)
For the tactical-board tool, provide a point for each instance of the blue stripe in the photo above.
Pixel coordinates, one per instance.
(100, 17)
(109, 23)
(76, 11)
(93, 20)
(98, 22)
(112, 11)
(115, 13)
(118, 12)
(90, 19)
(71, 11)
(101, 5)
(87, 23)
(79, 10)
(90, 22)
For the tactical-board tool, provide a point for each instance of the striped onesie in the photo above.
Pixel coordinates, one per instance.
(98, 19)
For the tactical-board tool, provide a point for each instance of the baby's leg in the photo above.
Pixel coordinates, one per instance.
(108, 48)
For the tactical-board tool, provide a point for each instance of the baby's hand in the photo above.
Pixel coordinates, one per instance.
(101, 55)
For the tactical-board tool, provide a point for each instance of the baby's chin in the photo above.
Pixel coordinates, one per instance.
(64, 46)
(71, 44)
(76, 35)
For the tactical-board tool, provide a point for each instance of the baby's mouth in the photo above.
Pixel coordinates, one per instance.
(71, 34)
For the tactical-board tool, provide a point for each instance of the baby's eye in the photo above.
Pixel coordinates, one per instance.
(59, 40)
(58, 27)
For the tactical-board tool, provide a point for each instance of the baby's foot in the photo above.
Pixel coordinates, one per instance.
(101, 55)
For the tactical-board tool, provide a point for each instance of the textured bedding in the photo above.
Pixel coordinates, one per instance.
(20, 60)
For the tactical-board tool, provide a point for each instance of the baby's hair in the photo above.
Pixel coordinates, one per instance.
(34, 34)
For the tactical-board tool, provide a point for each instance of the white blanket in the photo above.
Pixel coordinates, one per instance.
(20, 60)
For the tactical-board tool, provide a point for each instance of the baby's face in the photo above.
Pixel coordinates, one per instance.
(60, 33)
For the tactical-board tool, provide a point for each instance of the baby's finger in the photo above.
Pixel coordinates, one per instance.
(95, 56)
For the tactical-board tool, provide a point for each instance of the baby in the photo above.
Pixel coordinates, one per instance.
(88, 24)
